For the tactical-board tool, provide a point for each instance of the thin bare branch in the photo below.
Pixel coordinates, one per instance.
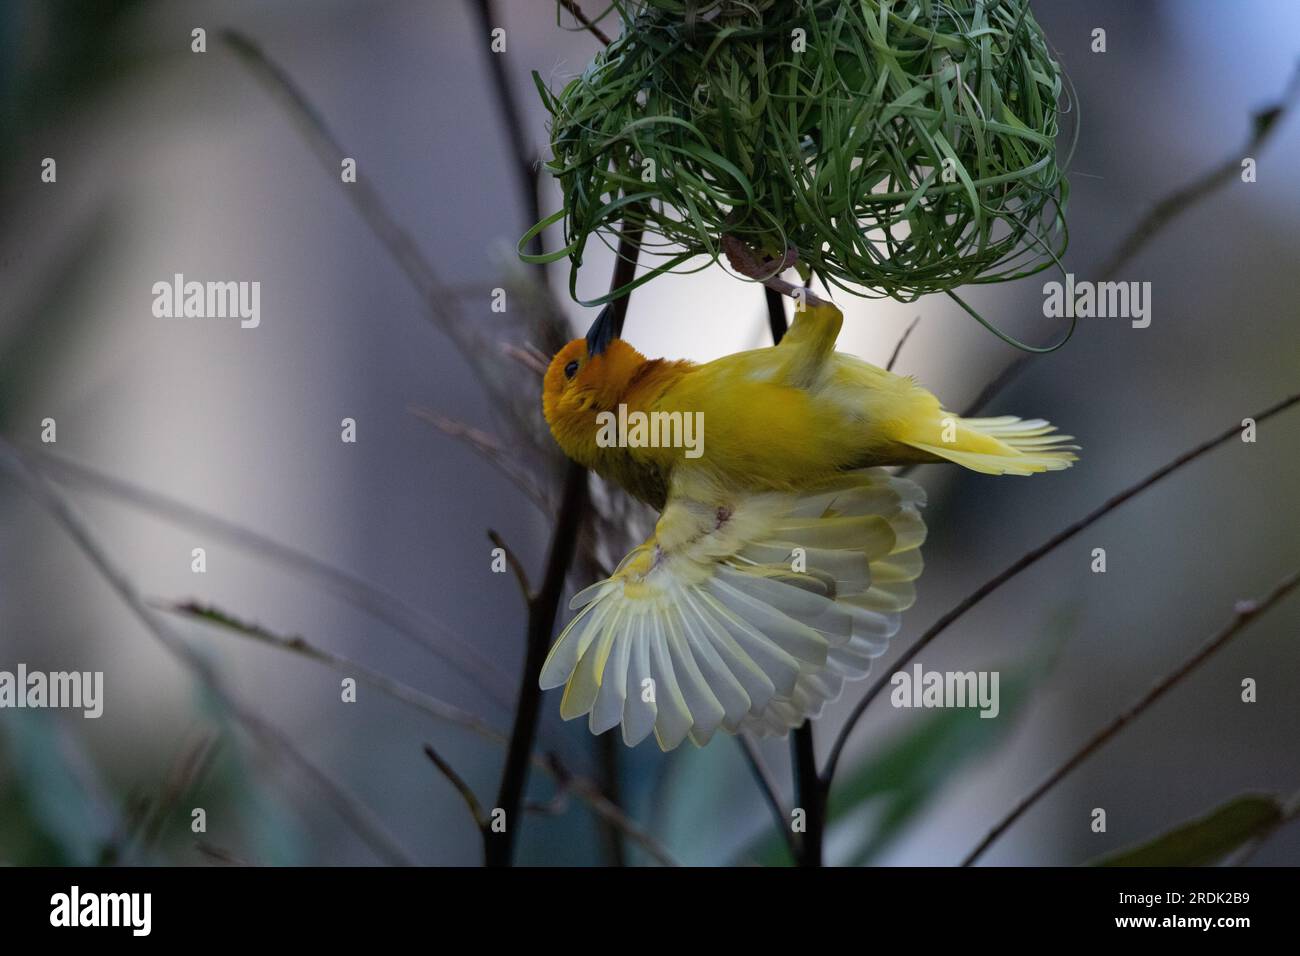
(1246, 611)
(528, 355)
(408, 621)
(1051, 544)
(1264, 124)
(489, 448)
(809, 793)
(588, 24)
(441, 305)
(426, 703)
(512, 120)
(889, 366)
(592, 794)
(542, 612)
(514, 563)
(464, 789)
(218, 855)
(185, 774)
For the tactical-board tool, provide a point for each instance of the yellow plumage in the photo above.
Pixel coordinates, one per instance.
(783, 555)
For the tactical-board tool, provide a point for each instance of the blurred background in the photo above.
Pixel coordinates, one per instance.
(171, 161)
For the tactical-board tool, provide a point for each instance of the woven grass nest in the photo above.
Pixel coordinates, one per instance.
(902, 147)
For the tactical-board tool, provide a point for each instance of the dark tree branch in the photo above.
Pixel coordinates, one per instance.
(810, 795)
(1246, 612)
(907, 333)
(776, 320)
(524, 159)
(587, 22)
(514, 563)
(464, 789)
(625, 259)
(542, 610)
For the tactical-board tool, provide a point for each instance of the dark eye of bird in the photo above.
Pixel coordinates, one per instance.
(571, 369)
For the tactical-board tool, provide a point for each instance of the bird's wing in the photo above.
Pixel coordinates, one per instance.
(749, 614)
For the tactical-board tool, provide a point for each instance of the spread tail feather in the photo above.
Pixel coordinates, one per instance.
(994, 446)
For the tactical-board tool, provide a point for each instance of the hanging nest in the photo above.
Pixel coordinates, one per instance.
(902, 148)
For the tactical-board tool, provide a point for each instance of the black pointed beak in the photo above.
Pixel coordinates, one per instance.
(607, 327)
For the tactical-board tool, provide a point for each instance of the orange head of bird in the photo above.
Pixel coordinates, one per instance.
(579, 385)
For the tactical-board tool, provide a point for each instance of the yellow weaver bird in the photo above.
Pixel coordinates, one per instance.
(784, 553)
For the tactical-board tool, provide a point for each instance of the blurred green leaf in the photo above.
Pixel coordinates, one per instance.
(1207, 840)
(905, 776)
(55, 813)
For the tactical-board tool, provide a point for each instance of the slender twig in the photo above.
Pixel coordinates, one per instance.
(218, 855)
(186, 774)
(907, 332)
(527, 355)
(1264, 124)
(1246, 611)
(512, 119)
(776, 320)
(625, 260)
(426, 703)
(458, 782)
(994, 387)
(554, 807)
(441, 305)
(516, 567)
(351, 811)
(984, 590)
(589, 24)
(383, 606)
(490, 449)
(589, 792)
(767, 787)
